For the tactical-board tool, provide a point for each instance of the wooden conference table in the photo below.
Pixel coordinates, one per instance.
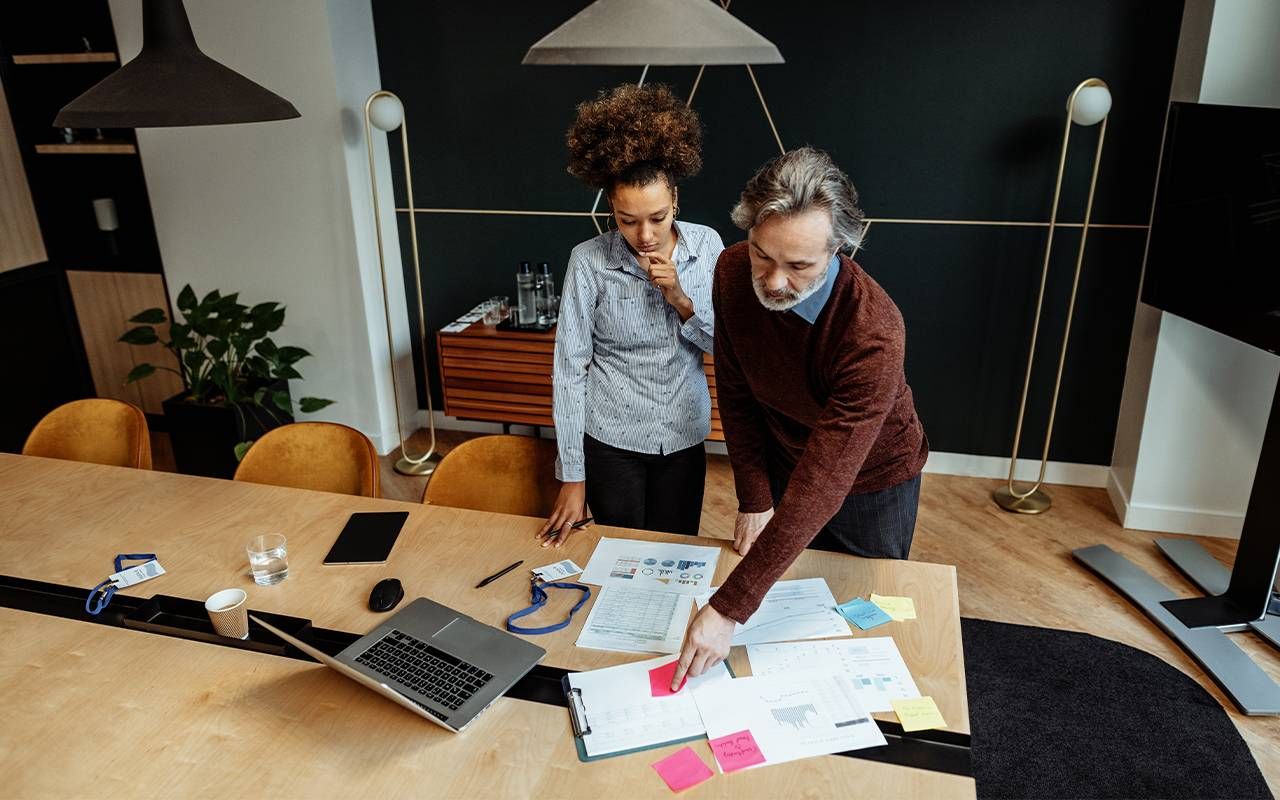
(108, 711)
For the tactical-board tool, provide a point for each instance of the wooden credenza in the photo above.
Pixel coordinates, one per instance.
(503, 376)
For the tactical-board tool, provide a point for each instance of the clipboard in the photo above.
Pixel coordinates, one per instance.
(580, 721)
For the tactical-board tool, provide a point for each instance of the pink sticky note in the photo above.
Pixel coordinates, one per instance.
(660, 679)
(737, 750)
(682, 769)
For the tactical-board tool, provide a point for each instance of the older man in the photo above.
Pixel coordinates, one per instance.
(822, 432)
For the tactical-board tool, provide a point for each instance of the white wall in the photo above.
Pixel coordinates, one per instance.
(281, 210)
(1196, 403)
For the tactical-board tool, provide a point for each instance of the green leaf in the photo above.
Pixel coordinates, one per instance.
(257, 367)
(217, 348)
(152, 316)
(267, 348)
(275, 320)
(144, 334)
(259, 395)
(210, 301)
(291, 355)
(139, 372)
(281, 401)
(186, 299)
(310, 405)
(262, 310)
(287, 372)
(194, 359)
(241, 449)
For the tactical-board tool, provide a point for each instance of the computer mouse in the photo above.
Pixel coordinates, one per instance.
(386, 595)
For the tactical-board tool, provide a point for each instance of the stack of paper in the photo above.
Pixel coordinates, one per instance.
(682, 568)
(874, 667)
(770, 719)
(636, 620)
(623, 714)
(791, 610)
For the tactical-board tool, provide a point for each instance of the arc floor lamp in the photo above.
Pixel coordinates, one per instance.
(1088, 104)
(384, 111)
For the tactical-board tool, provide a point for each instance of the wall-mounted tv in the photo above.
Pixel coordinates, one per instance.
(1214, 253)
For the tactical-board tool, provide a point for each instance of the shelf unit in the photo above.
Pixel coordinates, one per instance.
(494, 375)
(65, 58)
(87, 148)
(49, 55)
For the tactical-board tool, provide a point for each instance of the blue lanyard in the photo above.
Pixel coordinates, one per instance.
(538, 594)
(100, 595)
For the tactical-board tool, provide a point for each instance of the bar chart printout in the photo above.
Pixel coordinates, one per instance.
(874, 667)
(789, 717)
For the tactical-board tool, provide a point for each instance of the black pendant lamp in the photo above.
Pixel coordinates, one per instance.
(171, 83)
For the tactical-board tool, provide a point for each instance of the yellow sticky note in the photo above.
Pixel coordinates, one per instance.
(918, 713)
(899, 608)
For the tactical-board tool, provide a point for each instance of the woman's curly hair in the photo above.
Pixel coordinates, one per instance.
(633, 135)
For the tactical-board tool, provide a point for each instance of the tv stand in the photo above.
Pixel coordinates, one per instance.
(1241, 599)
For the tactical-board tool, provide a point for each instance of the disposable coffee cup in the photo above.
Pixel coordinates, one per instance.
(228, 613)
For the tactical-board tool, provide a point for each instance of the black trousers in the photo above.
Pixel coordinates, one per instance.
(644, 490)
(875, 524)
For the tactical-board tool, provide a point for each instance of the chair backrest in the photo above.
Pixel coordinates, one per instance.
(504, 474)
(323, 456)
(98, 431)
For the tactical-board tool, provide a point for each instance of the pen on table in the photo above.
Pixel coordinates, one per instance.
(498, 574)
(555, 535)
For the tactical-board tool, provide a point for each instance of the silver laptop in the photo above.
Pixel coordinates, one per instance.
(434, 661)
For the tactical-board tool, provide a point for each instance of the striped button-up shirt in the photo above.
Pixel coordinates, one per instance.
(627, 370)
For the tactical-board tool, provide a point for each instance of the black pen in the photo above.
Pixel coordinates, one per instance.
(498, 574)
(582, 523)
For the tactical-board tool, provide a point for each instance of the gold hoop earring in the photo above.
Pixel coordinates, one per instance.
(675, 210)
(609, 223)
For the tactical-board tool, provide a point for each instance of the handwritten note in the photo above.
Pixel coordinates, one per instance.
(918, 713)
(660, 680)
(899, 608)
(863, 614)
(737, 750)
(682, 769)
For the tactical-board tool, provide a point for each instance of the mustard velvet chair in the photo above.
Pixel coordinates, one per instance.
(97, 431)
(323, 456)
(503, 474)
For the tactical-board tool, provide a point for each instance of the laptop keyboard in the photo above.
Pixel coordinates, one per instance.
(432, 673)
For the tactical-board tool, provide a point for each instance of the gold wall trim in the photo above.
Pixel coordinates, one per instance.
(883, 220)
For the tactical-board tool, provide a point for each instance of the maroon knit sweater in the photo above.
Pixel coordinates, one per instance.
(828, 401)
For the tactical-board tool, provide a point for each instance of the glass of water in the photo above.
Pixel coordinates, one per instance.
(495, 310)
(268, 559)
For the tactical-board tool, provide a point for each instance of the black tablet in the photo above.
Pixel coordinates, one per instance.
(367, 538)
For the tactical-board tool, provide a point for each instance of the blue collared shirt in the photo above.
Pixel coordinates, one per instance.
(809, 308)
(627, 371)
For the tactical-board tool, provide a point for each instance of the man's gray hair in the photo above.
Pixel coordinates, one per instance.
(797, 181)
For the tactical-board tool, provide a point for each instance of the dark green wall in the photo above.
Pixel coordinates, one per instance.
(937, 109)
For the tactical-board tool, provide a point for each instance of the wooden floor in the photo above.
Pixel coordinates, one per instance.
(1011, 568)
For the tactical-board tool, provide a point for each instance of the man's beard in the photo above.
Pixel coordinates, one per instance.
(788, 298)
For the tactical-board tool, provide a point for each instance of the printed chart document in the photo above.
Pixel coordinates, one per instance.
(636, 620)
(683, 568)
(874, 667)
(787, 716)
(801, 609)
(622, 713)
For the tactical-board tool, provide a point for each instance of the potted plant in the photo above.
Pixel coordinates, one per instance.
(237, 377)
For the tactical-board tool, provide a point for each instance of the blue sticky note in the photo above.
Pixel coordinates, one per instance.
(863, 613)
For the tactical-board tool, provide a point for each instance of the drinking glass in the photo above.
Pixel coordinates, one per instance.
(495, 310)
(268, 559)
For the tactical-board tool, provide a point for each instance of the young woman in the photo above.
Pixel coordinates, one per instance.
(631, 404)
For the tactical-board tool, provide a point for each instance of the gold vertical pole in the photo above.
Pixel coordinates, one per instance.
(1036, 500)
(423, 464)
